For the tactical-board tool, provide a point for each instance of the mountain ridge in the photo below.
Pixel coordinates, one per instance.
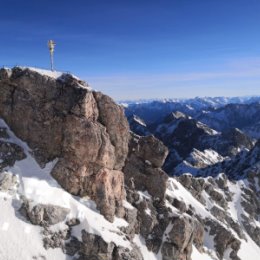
(77, 184)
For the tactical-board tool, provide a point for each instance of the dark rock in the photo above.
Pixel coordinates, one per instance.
(218, 213)
(216, 195)
(252, 229)
(198, 235)
(223, 238)
(45, 215)
(72, 246)
(95, 246)
(9, 154)
(72, 222)
(152, 150)
(147, 218)
(3, 133)
(131, 218)
(182, 232)
(139, 171)
(54, 239)
(180, 205)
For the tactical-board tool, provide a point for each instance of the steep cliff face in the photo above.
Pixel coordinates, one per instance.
(61, 118)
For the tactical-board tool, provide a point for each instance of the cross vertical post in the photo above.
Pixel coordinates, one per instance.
(51, 45)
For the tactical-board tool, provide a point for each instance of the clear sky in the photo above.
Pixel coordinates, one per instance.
(133, 49)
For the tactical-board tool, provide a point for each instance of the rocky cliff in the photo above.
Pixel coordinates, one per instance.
(61, 118)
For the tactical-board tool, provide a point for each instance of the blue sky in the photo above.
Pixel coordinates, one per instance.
(133, 49)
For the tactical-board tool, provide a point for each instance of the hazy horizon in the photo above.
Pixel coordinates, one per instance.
(185, 98)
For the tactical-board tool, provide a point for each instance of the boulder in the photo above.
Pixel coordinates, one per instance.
(141, 167)
(178, 244)
(152, 150)
(45, 214)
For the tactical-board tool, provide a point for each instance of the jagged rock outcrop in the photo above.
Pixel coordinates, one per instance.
(178, 245)
(143, 173)
(224, 239)
(94, 247)
(62, 118)
(142, 169)
(45, 215)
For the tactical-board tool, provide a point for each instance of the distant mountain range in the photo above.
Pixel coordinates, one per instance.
(155, 110)
(198, 128)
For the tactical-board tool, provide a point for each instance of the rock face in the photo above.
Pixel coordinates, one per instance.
(224, 239)
(179, 240)
(154, 217)
(146, 155)
(62, 118)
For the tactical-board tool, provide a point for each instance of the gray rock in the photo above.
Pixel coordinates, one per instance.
(198, 237)
(178, 244)
(45, 215)
(8, 182)
(152, 150)
(147, 218)
(126, 254)
(216, 195)
(134, 224)
(94, 246)
(218, 213)
(180, 205)
(140, 173)
(182, 232)
(224, 239)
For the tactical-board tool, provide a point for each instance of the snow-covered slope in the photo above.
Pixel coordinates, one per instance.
(232, 116)
(198, 160)
(37, 186)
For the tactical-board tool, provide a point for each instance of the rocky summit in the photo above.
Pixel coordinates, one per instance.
(61, 118)
(77, 184)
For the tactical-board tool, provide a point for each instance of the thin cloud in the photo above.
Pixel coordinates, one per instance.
(234, 74)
